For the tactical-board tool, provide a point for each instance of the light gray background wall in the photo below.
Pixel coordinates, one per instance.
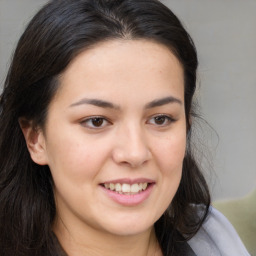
(224, 32)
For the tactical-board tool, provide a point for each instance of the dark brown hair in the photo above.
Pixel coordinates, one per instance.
(57, 34)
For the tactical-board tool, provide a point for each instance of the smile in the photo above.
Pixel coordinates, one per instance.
(127, 189)
(127, 192)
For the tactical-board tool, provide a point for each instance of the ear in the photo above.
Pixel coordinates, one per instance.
(35, 141)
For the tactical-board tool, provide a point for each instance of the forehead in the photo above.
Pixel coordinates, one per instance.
(146, 51)
(124, 66)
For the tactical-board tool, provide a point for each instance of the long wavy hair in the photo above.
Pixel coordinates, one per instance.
(54, 37)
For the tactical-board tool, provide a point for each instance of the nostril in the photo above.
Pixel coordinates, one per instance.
(131, 157)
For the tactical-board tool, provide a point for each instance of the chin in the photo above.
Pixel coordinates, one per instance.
(130, 227)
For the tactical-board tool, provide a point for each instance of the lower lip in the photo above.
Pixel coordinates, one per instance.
(129, 200)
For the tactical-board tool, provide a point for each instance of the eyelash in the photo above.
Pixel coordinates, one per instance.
(90, 120)
(103, 122)
(167, 120)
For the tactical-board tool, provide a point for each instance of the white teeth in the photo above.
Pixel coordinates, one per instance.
(135, 188)
(107, 185)
(144, 186)
(126, 188)
(112, 186)
(118, 187)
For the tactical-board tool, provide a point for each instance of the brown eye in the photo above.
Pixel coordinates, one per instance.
(95, 122)
(161, 120)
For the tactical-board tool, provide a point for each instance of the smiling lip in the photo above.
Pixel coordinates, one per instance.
(128, 198)
(130, 181)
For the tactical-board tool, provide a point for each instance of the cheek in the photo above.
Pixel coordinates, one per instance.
(171, 152)
(170, 157)
(76, 159)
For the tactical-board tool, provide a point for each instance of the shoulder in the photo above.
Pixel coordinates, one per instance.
(217, 237)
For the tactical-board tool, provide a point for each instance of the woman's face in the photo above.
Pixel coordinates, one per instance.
(115, 137)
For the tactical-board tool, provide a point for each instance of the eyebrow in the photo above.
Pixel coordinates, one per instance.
(163, 101)
(106, 104)
(95, 102)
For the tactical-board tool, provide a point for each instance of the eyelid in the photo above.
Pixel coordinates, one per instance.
(84, 122)
(168, 117)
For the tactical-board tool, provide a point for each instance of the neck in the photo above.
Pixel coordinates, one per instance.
(97, 243)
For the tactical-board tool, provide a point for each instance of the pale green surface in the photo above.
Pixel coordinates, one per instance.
(242, 214)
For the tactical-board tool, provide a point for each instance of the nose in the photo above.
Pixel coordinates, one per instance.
(131, 148)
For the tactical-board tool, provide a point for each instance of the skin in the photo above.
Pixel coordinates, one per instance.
(127, 141)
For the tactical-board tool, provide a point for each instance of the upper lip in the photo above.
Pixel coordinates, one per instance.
(129, 181)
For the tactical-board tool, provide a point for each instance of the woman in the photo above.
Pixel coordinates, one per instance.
(96, 117)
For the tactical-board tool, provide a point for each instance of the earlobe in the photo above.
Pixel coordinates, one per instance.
(35, 141)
